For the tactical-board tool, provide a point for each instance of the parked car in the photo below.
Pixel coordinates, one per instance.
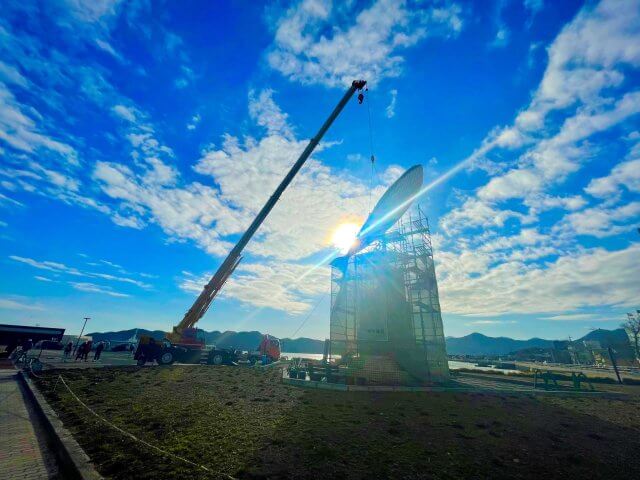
(49, 345)
(122, 347)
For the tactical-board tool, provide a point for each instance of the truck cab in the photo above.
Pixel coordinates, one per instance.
(269, 347)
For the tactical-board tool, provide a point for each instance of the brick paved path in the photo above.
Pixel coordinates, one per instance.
(23, 452)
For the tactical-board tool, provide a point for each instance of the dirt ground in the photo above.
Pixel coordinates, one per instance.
(244, 423)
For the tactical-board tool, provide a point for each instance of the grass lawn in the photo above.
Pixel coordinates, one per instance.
(244, 423)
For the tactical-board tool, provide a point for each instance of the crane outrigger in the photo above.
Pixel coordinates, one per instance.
(182, 344)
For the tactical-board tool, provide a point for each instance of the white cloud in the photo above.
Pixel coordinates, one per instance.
(553, 159)
(246, 172)
(184, 213)
(391, 174)
(515, 183)
(311, 47)
(130, 222)
(187, 77)
(264, 111)
(92, 288)
(279, 285)
(317, 200)
(107, 47)
(18, 129)
(585, 60)
(56, 178)
(125, 113)
(91, 10)
(64, 269)
(477, 213)
(490, 322)
(503, 34)
(534, 6)
(583, 57)
(390, 111)
(580, 97)
(577, 317)
(526, 237)
(625, 174)
(11, 75)
(505, 275)
(5, 199)
(502, 37)
(601, 221)
(18, 303)
(46, 265)
(589, 278)
(195, 120)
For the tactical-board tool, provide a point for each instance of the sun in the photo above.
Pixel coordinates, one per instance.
(345, 236)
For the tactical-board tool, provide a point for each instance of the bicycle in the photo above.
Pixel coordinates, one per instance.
(23, 359)
(19, 356)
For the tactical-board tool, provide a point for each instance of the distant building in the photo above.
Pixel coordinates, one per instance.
(74, 338)
(11, 335)
(594, 352)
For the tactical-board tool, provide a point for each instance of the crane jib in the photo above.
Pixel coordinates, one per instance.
(202, 303)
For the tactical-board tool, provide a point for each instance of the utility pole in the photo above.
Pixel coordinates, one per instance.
(615, 364)
(81, 331)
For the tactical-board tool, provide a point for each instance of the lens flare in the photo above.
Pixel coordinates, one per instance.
(344, 236)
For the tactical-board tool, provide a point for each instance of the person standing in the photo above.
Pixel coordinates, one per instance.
(80, 351)
(87, 350)
(99, 349)
(66, 353)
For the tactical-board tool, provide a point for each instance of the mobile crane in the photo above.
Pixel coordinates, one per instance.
(183, 344)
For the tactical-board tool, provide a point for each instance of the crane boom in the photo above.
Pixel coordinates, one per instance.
(202, 303)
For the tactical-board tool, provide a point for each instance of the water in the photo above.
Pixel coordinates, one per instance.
(453, 364)
(311, 356)
(456, 365)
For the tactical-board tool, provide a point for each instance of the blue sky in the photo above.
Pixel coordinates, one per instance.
(138, 139)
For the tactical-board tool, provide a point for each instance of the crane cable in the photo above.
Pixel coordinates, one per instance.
(311, 312)
(372, 156)
(374, 173)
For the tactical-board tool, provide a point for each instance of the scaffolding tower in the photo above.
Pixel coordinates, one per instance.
(386, 324)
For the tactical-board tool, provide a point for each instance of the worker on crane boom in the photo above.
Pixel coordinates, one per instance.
(183, 344)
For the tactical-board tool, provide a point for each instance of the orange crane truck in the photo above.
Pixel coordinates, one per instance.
(184, 344)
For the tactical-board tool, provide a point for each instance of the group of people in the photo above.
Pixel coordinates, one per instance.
(82, 351)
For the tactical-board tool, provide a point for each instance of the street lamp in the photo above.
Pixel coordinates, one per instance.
(81, 331)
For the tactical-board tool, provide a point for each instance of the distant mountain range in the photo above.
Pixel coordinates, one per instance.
(473, 344)
(608, 337)
(238, 340)
(479, 344)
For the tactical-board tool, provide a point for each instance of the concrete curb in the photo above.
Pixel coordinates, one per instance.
(462, 388)
(70, 455)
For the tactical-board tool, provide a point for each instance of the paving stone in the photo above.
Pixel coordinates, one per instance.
(23, 450)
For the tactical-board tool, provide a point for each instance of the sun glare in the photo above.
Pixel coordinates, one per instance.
(345, 236)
